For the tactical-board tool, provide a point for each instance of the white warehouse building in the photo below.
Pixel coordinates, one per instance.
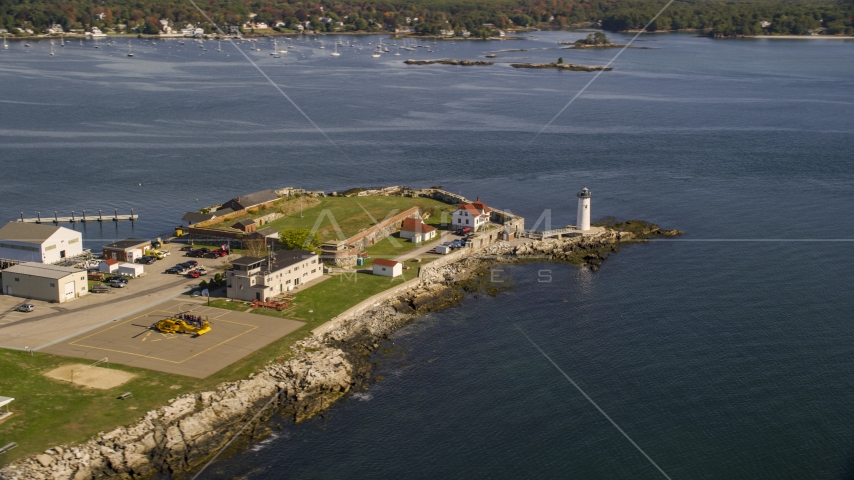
(50, 283)
(33, 242)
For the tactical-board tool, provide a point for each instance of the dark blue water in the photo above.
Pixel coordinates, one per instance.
(723, 354)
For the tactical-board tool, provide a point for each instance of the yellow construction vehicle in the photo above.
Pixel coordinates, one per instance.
(184, 323)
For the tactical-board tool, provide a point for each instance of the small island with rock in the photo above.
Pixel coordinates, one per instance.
(449, 61)
(595, 40)
(560, 65)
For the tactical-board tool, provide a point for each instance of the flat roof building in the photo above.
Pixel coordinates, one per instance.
(126, 250)
(50, 283)
(261, 278)
(33, 242)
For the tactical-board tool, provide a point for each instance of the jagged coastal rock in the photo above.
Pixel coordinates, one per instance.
(574, 67)
(182, 436)
(449, 61)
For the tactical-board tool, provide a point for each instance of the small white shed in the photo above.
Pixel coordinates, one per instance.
(132, 270)
(108, 266)
(443, 249)
(387, 268)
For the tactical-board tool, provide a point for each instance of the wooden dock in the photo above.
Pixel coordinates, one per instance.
(74, 218)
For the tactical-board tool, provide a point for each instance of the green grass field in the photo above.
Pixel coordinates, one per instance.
(50, 412)
(349, 214)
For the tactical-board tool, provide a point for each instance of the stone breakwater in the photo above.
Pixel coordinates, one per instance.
(182, 436)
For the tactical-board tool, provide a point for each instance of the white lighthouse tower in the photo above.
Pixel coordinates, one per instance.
(583, 222)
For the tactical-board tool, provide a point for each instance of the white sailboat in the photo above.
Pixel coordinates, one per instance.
(335, 53)
(275, 47)
(51, 48)
(5, 43)
(219, 45)
(397, 53)
(130, 49)
(376, 53)
(62, 40)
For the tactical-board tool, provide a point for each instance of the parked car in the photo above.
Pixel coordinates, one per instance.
(187, 248)
(118, 278)
(173, 270)
(115, 283)
(165, 253)
(202, 271)
(190, 263)
(212, 255)
(193, 274)
(182, 270)
(27, 307)
(146, 260)
(204, 250)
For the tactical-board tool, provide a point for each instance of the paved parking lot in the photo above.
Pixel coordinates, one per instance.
(52, 322)
(132, 341)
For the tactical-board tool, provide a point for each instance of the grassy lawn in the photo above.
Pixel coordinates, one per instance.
(389, 247)
(349, 216)
(50, 412)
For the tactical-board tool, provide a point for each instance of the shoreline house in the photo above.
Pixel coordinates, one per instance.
(126, 250)
(33, 242)
(261, 278)
(258, 199)
(474, 215)
(50, 283)
(387, 268)
(416, 230)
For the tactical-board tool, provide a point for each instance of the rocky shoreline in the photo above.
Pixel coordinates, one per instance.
(449, 61)
(574, 67)
(179, 438)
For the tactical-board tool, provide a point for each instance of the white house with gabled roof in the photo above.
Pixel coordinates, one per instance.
(474, 215)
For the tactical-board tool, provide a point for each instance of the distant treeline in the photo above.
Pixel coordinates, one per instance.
(478, 17)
